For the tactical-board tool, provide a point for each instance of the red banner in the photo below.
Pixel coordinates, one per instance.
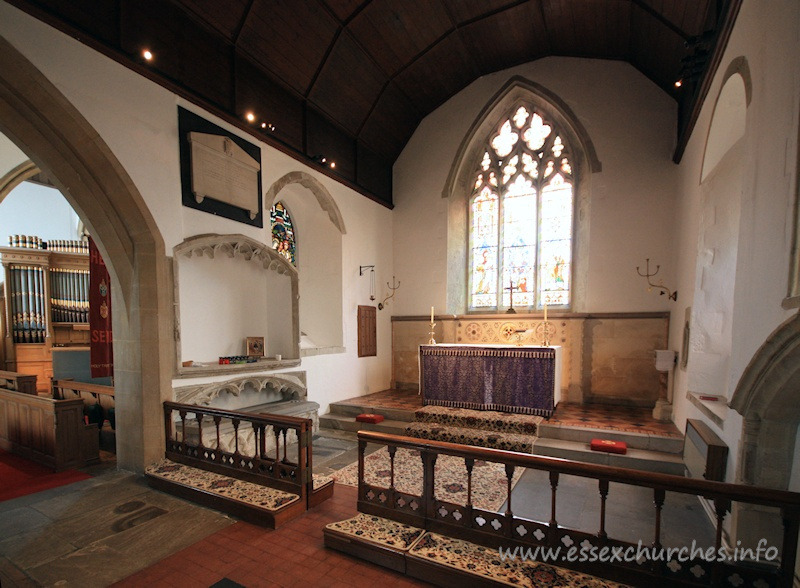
(101, 350)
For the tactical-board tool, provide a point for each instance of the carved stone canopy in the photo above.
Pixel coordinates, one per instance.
(289, 386)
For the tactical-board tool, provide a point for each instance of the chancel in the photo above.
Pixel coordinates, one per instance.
(541, 179)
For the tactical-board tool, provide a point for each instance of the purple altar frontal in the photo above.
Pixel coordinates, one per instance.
(520, 379)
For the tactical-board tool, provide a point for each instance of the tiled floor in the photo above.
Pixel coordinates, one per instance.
(612, 418)
(591, 416)
(252, 556)
(219, 551)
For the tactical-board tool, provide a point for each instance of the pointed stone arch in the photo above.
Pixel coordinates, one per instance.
(320, 192)
(458, 186)
(20, 173)
(61, 142)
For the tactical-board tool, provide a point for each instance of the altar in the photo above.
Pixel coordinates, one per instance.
(521, 379)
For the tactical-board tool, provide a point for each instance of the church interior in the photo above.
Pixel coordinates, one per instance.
(357, 292)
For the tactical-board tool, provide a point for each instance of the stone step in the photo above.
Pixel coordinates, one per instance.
(490, 420)
(470, 436)
(646, 441)
(352, 409)
(637, 459)
(349, 423)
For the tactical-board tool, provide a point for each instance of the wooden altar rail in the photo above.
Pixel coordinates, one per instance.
(276, 471)
(24, 383)
(46, 430)
(507, 530)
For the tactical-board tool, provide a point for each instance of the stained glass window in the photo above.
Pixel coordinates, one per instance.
(520, 215)
(283, 238)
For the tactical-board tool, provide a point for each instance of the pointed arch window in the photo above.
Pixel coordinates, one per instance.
(521, 216)
(283, 236)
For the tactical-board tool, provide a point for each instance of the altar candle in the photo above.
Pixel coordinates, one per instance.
(431, 314)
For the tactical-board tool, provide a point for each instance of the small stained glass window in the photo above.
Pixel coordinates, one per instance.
(283, 237)
(521, 226)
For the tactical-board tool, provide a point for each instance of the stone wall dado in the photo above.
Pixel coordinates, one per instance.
(607, 358)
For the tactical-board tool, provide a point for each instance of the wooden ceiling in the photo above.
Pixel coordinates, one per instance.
(350, 80)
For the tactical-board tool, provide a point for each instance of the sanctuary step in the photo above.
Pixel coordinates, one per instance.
(635, 459)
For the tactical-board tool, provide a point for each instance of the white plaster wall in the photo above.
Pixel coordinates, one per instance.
(632, 125)
(770, 42)
(138, 121)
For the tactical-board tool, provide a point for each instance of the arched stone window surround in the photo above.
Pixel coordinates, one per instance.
(458, 186)
(41, 122)
(320, 192)
(216, 246)
(313, 299)
(722, 114)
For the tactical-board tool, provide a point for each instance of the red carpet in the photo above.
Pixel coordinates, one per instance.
(20, 476)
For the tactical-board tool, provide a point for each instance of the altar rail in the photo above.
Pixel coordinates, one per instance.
(507, 530)
(276, 471)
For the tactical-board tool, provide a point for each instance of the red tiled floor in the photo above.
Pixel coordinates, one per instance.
(397, 399)
(612, 418)
(253, 556)
(591, 416)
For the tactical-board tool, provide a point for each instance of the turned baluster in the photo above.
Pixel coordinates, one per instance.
(509, 515)
(235, 423)
(603, 496)
(469, 462)
(362, 445)
(217, 420)
(658, 502)
(791, 526)
(553, 489)
(428, 483)
(721, 507)
(182, 415)
(392, 451)
(199, 430)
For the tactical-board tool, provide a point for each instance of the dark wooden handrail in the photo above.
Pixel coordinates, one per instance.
(671, 483)
(496, 530)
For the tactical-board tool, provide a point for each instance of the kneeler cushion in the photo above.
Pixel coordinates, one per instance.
(369, 418)
(609, 446)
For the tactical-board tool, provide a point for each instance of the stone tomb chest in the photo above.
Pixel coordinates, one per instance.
(282, 394)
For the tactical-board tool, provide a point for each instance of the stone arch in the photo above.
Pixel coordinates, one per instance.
(319, 259)
(61, 142)
(766, 397)
(22, 172)
(320, 192)
(729, 115)
(457, 187)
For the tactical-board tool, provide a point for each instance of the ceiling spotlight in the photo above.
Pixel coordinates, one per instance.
(250, 116)
(678, 83)
(263, 125)
(333, 164)
(147, 54)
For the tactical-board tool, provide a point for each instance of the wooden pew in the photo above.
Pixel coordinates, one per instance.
(93, 395)
(47, 430)
(24, 383)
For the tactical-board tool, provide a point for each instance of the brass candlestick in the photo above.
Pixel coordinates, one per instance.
(432, 341)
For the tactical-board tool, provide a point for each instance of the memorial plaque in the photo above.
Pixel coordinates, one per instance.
(224, 171)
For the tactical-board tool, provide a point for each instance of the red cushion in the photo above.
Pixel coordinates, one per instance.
(369, 418)
(609, 446)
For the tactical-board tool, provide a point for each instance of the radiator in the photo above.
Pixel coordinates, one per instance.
(705, 455)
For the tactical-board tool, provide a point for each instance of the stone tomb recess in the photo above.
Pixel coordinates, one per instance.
(281, 394)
